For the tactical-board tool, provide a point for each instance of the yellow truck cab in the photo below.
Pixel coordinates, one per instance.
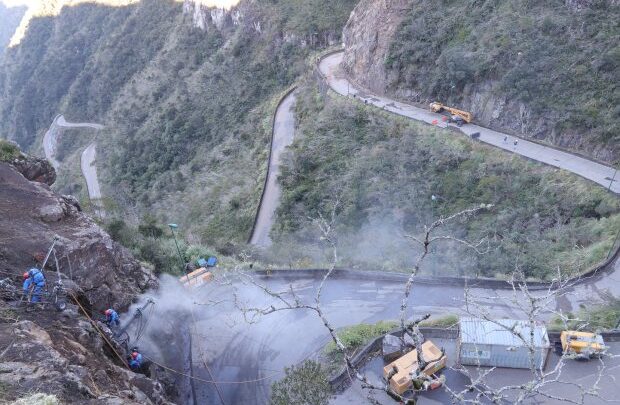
(582, 344)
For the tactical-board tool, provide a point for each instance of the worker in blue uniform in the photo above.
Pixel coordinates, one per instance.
(135, 359)
(35, 280)
(111, 318)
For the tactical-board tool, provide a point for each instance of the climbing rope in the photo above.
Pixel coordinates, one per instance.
(159, 364)
(103, 335)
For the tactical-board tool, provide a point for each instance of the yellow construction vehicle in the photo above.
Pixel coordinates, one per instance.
(460, 117)
(196, 278)
(399, 372)
(581, 345)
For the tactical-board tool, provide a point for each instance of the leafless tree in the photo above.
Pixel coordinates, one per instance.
(532, 305)
(289, 300)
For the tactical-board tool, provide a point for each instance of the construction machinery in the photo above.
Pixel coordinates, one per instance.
(400, 372)
(581, 345)
(196, 278)
(137, 322)
(58, 296)
(457, 116)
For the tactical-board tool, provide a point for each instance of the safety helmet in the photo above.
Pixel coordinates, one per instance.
(26, 275)
(108, 311)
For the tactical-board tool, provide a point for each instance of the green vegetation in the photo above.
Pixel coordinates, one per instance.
(557, 61)
(446, 321)
(305, 384)
(152, 242)
(8, 151)
(356, 336)
(600, 317)
(9, 20)
(384, 170)
(187, 111)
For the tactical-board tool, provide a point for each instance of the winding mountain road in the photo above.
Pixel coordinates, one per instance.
(87, 161)
(282, 136)
(238, 351)
(606, 176)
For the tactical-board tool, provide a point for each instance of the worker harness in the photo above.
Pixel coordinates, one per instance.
(58, 295)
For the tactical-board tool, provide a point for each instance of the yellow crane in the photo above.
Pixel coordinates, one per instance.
(460, 117)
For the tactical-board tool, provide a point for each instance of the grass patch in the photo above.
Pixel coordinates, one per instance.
(446, 321)
(591, 319)
(356, 336)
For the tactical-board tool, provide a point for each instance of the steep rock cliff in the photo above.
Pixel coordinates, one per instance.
(61, 353)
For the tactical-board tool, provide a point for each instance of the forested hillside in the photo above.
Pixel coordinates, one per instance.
(9, 19)
(542, 69)
(390, 176)
(186, 95)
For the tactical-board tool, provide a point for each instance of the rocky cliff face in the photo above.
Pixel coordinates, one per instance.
(540, 72)
(367, 38)
(33, 215)
(61, 353)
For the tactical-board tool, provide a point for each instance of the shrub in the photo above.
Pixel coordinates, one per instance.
(8, 151)
(353, 337)
(305, 384)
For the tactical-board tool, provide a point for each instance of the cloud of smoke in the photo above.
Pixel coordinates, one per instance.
(165, 318)
(379, 244)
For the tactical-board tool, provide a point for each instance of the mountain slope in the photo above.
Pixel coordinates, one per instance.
(9, 20)
(539, 69)
(186, 94)
(61, 353)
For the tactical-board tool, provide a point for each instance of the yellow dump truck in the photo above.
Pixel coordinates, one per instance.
(460, 117)
(584, 345)
(196, 278)
(399, 372)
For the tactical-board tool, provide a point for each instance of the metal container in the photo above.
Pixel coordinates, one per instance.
(502, 343)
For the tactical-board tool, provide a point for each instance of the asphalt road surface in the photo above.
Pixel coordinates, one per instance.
(606, 176)
(87, 161)
(283, 133)
(573, 372)
(90, 171)
(239, 351)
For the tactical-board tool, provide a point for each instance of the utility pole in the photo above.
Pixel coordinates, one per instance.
(434, 198)
(172, 228)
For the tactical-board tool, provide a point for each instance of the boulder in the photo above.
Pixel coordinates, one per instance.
(393, 348)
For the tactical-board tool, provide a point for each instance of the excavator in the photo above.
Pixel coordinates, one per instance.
(457, 116)
(399, 372)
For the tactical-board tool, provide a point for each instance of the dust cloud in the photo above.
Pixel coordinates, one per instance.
(161, 320)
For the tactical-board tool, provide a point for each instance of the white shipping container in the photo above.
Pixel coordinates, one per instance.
(502, 343)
